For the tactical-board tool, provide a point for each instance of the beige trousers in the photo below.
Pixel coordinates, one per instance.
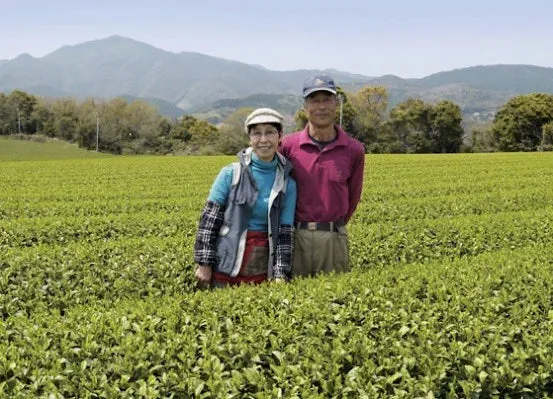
(317, 251)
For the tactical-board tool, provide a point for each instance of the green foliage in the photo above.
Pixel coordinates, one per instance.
(480, 137)
(518, 125)
(45, 116)
(301, 119)
(547, 137)
(349, 113)
(370, 105)
(232, 137)
(418, 127)
(201, 137)
(36, 147)
(410, 124)
(65, 118)
(16, 113)
(8, 118)
(444, 329)
(121, 127)
(449, 295)
(447, 133)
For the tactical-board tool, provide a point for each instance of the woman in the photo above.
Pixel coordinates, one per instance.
(246, 227)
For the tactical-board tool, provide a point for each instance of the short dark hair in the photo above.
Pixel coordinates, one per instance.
(312, 94)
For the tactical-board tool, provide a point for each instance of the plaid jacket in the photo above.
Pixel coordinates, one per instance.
(284, 252)
(205, 251)
(211, 220)
(221, 235)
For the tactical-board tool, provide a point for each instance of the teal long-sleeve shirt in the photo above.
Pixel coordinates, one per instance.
(264, 174)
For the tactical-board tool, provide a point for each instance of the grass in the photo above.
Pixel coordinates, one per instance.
(12, 149)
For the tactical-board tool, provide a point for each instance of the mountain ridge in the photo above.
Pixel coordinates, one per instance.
(118, 66)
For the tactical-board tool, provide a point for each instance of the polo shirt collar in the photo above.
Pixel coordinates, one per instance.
(341, 140)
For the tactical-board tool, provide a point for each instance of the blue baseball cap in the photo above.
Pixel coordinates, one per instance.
(318, 83)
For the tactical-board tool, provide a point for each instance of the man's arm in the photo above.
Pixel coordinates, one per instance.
(356, 184)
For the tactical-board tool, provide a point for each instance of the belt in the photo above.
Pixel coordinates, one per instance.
(324, 226)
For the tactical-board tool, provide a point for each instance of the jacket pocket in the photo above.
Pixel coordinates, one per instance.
(224, 253)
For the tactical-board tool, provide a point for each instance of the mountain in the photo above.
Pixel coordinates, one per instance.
(118, 66)
(513, 79)
(481, 89)
(204, 85)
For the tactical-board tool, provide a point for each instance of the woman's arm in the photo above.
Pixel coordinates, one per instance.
(211, 220)
(285, 240)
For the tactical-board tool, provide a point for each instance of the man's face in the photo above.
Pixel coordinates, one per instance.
(320, 108)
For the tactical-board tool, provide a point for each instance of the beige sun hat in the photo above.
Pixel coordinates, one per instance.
(263, 115)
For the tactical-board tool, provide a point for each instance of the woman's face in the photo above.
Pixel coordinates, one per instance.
(264, 141)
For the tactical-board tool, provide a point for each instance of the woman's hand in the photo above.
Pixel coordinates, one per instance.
(203, 273)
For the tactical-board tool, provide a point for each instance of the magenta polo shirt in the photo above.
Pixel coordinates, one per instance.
(329, 180)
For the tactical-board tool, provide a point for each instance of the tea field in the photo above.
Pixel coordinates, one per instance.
(450, 295)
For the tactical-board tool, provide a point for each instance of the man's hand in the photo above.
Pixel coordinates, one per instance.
(203, 274)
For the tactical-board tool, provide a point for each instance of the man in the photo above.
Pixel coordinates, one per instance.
(328, 169)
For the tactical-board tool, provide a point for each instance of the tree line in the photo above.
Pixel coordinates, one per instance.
(524, 123)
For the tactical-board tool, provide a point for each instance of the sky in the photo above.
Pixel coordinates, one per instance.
(410, 39)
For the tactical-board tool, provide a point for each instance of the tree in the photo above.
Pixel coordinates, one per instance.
(8, 116)
(410, 125)
(143, 120)
(447, 132)
(547, 137)
(16, 113)
(45, 117)
(518, 124)
(24, 105)
(115, 131)
(200, 136)
(482, 139)
(418, 127)
(66, 116)
(131, 128)
(232, 137)
(85, 129)
(370, 104)
(147, 129)
(301, 119)
(349, 114)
